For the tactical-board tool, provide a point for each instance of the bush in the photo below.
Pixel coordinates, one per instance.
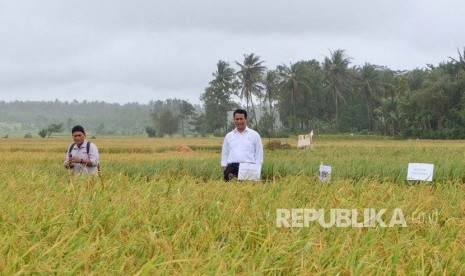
(151, 131)
(43, 133)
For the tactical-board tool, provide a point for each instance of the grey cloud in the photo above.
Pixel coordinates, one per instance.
(142, 50)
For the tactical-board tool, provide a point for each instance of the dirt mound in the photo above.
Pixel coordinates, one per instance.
(185, 149)
(276, 144)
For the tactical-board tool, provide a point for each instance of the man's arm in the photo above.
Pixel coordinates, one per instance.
(258, 150)
(225, 153)
(93, 157)
(67, 164)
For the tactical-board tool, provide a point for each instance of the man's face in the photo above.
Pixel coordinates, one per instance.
(78, 137)
(240, 121)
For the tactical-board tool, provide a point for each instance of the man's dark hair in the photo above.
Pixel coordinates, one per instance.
(240, 111)
(78, 128)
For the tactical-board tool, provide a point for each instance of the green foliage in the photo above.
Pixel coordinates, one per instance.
(43, 133)
(100, 129)
(301, 95)
(53, 128)
(199, 125)
(151, 132)
(170, 115)
(251, 73)
(337, 79)
(217, 100)
(186, 110)
(266, 125)
(123, 119)
(294, 84)
(334, 97)
(165, 122)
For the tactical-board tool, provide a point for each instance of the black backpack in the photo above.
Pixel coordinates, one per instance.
(87, 150)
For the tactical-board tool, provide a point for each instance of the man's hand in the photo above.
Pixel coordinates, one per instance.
(75, 160)
(68, 165)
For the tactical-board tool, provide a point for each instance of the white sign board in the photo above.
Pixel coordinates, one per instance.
(249, 171)
(303, 141)
(325, 173)
(420, 171)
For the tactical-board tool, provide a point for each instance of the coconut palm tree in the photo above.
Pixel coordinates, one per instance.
(250, 74)
(337, 77)
(293, 82)
(271, 95)
(461, 61)
(271, 89)
(225, 77)
(370, 81)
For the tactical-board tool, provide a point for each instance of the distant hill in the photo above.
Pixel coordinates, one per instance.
(98, 117)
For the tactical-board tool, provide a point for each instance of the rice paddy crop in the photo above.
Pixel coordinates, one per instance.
(160, 210)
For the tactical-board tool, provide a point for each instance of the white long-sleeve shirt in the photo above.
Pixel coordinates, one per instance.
(242, 147)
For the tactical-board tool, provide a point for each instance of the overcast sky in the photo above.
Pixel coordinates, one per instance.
(141, 50)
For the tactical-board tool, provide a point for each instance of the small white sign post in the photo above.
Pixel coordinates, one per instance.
(325, 173)
(420, 172)
(249, 171)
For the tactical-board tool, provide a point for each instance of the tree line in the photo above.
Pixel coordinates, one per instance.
(47, 118)
(335, 96)
(100, 118)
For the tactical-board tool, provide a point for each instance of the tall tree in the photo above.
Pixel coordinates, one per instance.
(165, 116)
(169, 123)
(369, 80)
(293, 82)
(199, 124)
(217, 98)
(185, 111)
(225, 77)
(251, 73)
(390, 119)
(271, 83)
(337, 77)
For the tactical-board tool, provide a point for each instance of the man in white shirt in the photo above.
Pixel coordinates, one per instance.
(241, 145)
(82, 156)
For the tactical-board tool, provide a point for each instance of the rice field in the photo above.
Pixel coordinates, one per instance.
(161, 209)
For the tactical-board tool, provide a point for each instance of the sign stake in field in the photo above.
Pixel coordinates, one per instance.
(325, 173)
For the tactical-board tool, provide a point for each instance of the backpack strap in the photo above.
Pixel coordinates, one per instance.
(88, 149)
(73, 144)
(71, 148)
